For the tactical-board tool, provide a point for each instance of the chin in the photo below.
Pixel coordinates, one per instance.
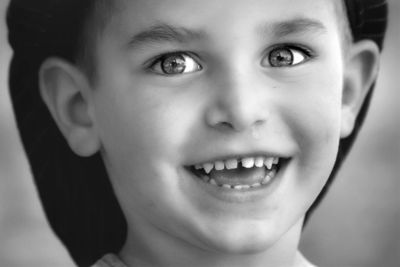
(251, 240)
(243, 247)
(250, 248)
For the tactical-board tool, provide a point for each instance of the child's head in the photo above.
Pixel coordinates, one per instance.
(165, 94)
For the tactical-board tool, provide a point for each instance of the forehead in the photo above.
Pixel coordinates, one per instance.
(209, 15)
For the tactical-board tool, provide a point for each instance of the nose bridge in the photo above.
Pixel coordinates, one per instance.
(240, 98)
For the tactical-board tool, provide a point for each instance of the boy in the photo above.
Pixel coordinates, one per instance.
(213, 127)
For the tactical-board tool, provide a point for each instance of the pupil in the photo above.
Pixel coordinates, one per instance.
(174, 64)
(281, 57)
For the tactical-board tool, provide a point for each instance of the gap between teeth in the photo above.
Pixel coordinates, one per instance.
(232, 164)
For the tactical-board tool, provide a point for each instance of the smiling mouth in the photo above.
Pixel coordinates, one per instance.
(238, 173)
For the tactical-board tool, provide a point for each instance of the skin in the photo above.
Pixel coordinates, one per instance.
(149, 125)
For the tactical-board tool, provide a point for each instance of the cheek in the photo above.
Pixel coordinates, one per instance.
(142, 136)
(145, 125)
(139, 133)
(316, 120)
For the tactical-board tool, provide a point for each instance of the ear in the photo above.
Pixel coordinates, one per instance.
(360, 72)
(67, 94)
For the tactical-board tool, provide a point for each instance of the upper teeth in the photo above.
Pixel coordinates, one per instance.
(230, 164)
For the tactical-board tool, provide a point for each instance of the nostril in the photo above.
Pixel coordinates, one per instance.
(223, 125)
(259, 122)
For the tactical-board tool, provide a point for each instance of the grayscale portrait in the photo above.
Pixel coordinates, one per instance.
(187, 133)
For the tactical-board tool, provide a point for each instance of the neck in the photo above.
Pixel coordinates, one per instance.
(156, 248)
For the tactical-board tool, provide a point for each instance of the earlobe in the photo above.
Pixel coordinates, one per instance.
(360, 72)
(66, 93)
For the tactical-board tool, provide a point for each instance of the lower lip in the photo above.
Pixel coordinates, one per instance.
(243, 195)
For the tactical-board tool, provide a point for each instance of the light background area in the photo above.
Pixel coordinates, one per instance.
(357, 225)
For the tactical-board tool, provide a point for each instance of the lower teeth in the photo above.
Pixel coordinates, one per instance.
(267, 179)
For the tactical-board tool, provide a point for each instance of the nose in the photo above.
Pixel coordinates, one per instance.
(239, 103)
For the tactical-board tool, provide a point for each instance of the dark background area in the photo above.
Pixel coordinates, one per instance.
(357, 225)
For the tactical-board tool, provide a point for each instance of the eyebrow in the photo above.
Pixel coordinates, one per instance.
(294, 26)
(165, 33)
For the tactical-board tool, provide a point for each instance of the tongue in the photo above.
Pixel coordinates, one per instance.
(240, 176)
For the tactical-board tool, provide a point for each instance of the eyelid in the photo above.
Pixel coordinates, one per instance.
(305, 49)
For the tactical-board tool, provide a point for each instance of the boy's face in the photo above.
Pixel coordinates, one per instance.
(182, 83)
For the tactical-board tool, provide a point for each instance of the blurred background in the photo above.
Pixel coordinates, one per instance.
(357, 225)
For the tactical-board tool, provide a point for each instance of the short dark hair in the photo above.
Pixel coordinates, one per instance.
(76, 193)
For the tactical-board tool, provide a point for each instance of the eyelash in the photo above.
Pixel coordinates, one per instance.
(184, 55)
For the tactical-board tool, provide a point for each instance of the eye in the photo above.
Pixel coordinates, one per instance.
(286, 56)
(175, 63)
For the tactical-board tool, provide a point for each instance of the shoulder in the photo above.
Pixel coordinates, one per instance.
(109, 260)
